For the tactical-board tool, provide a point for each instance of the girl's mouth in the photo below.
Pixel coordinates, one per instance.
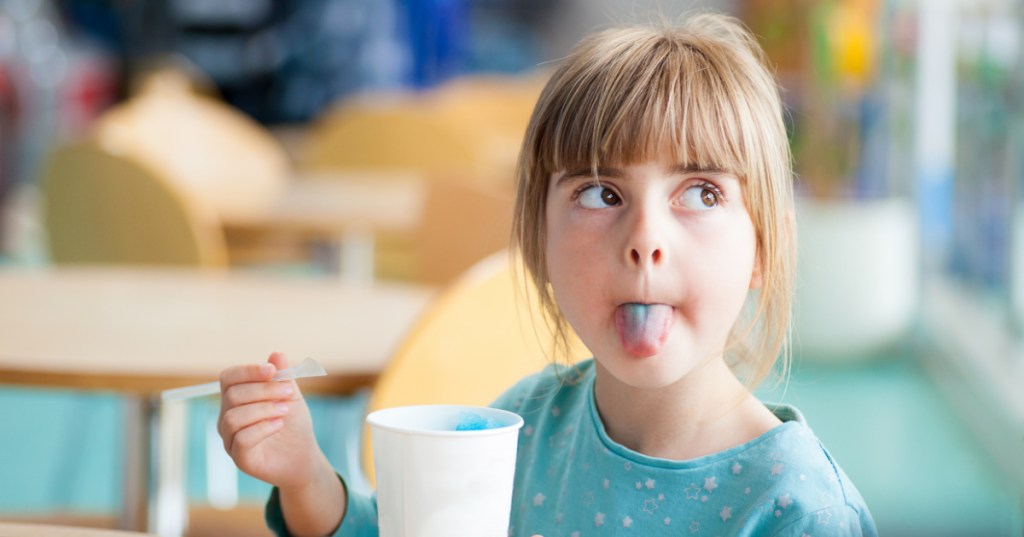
(643, 328)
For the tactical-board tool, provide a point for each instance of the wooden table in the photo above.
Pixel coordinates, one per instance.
(342, 211)
(9, 529)
(138, 332)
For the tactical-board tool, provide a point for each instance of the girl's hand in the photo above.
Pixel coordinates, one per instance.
(266, 426)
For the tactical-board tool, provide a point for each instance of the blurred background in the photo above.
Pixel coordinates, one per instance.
(907, 127)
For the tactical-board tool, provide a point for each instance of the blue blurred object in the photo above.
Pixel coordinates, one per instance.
(284, 62)
(438, 34)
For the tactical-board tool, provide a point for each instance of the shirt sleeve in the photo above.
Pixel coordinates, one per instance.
(834, 521)
(360, 515)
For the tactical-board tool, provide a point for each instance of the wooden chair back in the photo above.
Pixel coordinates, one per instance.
(104, 208)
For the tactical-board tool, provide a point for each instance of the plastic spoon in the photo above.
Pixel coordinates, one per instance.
(308, 368)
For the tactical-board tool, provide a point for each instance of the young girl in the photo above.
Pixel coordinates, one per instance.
(655, 215)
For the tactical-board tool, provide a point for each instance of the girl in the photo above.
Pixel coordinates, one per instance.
(655, 216)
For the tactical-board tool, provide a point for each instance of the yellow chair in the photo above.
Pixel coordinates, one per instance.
(461, 224)
(104, 208)
(471, 127)
(391, 132)
(398, 133)
(477, 339)
(467, 131)
(496, 110)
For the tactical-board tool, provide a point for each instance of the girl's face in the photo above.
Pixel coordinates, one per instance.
(651, 265)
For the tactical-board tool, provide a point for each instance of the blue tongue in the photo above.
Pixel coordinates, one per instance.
(643, 328)
(636, 314)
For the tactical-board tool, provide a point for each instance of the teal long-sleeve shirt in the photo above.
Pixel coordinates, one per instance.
(573, 480)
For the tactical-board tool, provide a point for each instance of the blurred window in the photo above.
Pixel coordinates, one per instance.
(973, 308)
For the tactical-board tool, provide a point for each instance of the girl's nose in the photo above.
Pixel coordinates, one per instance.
(645, 246)
(639, 256)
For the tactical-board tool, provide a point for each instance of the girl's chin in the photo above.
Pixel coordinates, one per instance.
(649, 372)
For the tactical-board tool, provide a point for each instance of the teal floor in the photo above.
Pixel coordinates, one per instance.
(901, 443)
(897, 438)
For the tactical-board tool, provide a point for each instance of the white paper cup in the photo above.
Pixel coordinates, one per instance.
(435, 481)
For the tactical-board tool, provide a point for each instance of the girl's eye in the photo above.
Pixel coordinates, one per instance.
(702, 197)
(598, 197)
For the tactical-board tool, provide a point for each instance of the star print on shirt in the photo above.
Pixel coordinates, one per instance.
(692, 492)
(538, 500)
(650, 506)
(710, 484)
(785, 501)
(726, 513)
(599, 519)
(627, 522)
(737, 468)
(694, 527)
(649, 484)
(776, 469)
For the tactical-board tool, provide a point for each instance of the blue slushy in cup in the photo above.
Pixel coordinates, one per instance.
(444, 470)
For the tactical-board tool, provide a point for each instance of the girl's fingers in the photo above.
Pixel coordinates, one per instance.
(279, 360)
(246, 373)
(253, 372)
(235, 419)
(252, 392)
(247, 438)
(252, 405)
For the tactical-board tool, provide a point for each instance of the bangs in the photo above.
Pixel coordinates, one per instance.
(647, 95)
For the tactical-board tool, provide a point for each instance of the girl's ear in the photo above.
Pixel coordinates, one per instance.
(756, 279)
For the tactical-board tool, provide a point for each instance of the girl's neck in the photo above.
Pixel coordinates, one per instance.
(707, 411)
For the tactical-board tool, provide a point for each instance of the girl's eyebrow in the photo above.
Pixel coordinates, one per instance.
(696, 168)
(588, 173)
(679, 169)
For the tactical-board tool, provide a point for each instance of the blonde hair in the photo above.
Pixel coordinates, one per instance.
(702, 89)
